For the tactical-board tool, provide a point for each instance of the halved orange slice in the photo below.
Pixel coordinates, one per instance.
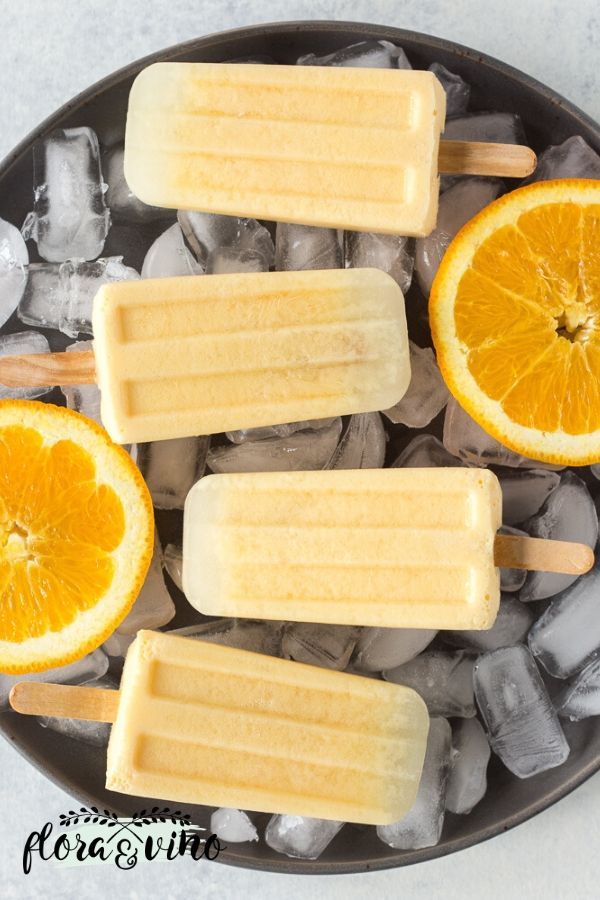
(515, 318)
(76, 535)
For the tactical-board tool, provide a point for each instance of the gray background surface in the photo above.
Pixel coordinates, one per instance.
(51, 50)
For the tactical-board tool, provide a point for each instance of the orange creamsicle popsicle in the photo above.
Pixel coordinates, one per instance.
(201, 723)
(203, 354)
(402, 548)
(341, 147)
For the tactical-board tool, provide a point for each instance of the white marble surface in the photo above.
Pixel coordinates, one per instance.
(50, 50)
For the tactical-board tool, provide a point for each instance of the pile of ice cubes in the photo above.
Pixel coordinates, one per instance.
(486, 691)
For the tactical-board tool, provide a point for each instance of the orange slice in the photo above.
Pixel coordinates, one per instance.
(76, 535)
(515, 318)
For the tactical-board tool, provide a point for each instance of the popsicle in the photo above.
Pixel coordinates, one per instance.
(176, 357)
(398, 548)
(339, 147)
(201, 723)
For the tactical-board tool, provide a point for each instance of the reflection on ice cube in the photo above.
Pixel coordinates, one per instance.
(304, 450)
(84, 398)
(457, 205)
(329, 646)
(443, 680)
(232, 826)
(362, 445)
(207, 232)
(567, 636)
(301, 836)
(389, 252)
(522, 726)
(13, 269)
(70, 218)
(61, 296)
(299, 247)
(568, 514)
(422, 825)
(574, 158)
(170, 468)
(122, 202)
(467, 783)
(457, 90)
(154, 606)
(427, 393)
(169, 257)
(365, 54)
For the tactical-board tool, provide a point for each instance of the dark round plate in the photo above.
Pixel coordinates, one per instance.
(548, 118)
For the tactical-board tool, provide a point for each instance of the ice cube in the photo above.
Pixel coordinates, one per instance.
(245, 634)
(467, 782)
(42, 299)
(153, 606)
(300, 836)
(61, 296)
(512, 580)
(457, 90)
(169, 257)
(568, 514)
(84, 398)
(523, 493)
(122, 202)
(391, 253)
(365, 54)
(13, 269)
(23, 342)
(228, 260)
(329, 646)
(304, 450)
(173, 563)
(362, 445)
(95, 734)
(491, 127)
(271, 431)
(91, 667)
(422, 825)
(386, 648)
(427, 393)
(567, 636)
(523, 728)
(69, 219)
(456, 206)
(443, 680)
(580, 697)
(118, 644)
(171, 467)
(467, 440)
(206, 232)
(512, 623)
(306, 247)
(425, 452)
(80, 282)
(232, 826)
(574, 158)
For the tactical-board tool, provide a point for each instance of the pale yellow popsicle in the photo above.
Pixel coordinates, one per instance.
(341, 147)
(204, 354)
(201, 723)
(401, 548)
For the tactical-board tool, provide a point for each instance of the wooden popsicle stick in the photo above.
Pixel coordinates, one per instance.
(479, 158)
(47, 369)
(540, 555)
(34, 698)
